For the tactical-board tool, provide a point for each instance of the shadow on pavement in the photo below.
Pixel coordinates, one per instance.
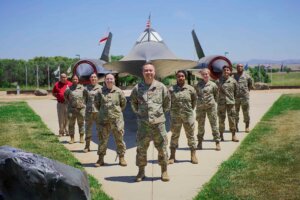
(129, 179)
(130, 129)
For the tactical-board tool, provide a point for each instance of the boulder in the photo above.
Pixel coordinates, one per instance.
(261, 86)
(40, 92)
(26, 175)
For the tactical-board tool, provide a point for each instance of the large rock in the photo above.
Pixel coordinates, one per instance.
(25, 175)
(261, 86)
(40, 92)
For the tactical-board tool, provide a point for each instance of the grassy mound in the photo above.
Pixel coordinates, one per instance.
(20, 127)
(267, 163)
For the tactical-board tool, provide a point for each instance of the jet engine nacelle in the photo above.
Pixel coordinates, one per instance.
(214, 64)
(84, 68)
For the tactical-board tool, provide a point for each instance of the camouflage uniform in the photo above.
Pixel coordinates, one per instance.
(245, 83)
(91, 114)
(76, 108)
(111, 103)
(183, 102)
(207, 104)
(226, 102)
(150, 104)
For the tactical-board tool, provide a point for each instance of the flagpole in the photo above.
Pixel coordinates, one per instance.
(37, 76)
(48, 77)
(26, 75)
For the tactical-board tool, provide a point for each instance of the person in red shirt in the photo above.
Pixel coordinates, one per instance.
(58, 92)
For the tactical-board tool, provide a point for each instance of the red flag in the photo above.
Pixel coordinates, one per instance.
(102, 40)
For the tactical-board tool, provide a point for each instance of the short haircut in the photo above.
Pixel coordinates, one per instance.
(181, 71)
(63, 74)
(226, 66)
(148, 63)
(204, 70)
(92, 74)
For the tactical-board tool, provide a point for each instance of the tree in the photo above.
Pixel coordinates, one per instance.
(259, 74)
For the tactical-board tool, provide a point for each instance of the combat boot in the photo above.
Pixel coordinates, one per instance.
(164, 173)
(141, 175)
(221, 136)
(172, 157)
(100, 162)
(60, 134)
(234, 138)
(194, 159)
(81, 138)
(122, 161)
(199, 146)
(218, 147)
(247, 130)
(72, 141)
(87, 147)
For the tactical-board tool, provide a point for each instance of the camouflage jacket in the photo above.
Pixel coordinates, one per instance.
(227, 90)
(74, 97)
(245, 83)
(183, 100)
(89, 94)
(207, 93)
(110, 103)
(150, 102)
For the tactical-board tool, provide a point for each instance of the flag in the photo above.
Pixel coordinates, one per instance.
(281, 68)
(102, 40)
(246, 67)
(69, 70)
(57, 71)
(148, 24)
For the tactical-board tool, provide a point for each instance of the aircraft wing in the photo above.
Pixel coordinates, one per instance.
(163, 67)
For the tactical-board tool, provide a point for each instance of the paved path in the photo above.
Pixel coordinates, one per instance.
(186, 178)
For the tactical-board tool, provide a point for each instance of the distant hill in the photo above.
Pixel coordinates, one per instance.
(276, 62)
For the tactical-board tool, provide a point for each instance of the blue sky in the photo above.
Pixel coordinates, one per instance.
(259, 29)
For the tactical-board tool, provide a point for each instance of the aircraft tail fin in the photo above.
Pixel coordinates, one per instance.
(198, 47)
(106, 49)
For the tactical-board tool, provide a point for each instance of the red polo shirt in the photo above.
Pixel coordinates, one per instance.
(59, 90)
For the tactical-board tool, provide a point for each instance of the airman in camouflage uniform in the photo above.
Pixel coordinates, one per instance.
(76, 108)
(183, 102)
(226, 103)
(245, 83)
(111, 101)
(91, 114)
(150, 100)
(207, 92)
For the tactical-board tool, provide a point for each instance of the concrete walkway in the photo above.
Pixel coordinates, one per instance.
(186, 178)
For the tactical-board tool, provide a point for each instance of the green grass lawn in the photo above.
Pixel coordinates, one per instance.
(267, 163)
(23, 87)
(285, 79)
(20, 127)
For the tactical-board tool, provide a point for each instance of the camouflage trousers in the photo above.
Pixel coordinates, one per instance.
(244, 103)
(76, 114)
(230, 109)
(90, 118)
(147, 132)
(188, 123)
(211, 113)
(62, 113)
(116, 126)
